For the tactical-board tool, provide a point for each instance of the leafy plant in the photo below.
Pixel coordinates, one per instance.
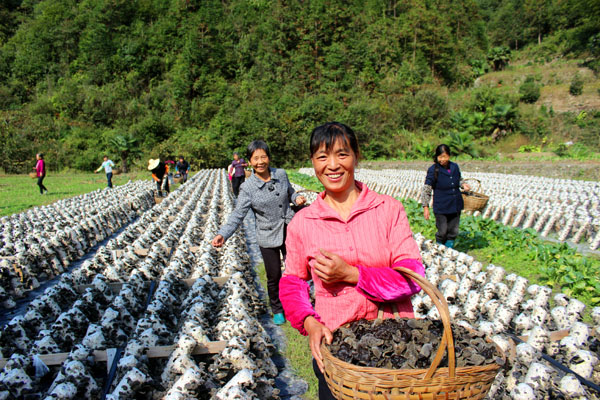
(461, 143)
(499, 57)
(529, 90)
(126, 146)
(576, 87)
(530, 148)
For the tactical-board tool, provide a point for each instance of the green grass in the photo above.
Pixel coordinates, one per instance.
(20, 192)
(297, 350)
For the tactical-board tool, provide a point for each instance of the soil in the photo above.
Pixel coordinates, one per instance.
(518, 164)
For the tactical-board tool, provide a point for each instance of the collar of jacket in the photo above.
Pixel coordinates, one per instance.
(367, 199)
(259, 183)
(452, 167)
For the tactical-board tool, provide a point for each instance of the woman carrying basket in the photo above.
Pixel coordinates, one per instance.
(444, 181)
(347, 242)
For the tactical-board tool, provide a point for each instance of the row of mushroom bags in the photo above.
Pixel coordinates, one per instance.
(180, 291)
(567, 209)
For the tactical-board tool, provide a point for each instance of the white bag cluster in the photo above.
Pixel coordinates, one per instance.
(567, 208)
(152, 307)
(40, 243)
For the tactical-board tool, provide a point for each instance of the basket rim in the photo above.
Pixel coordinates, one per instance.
(439, 372)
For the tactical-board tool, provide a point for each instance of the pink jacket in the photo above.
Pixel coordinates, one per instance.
(40, 168)
(375, 238)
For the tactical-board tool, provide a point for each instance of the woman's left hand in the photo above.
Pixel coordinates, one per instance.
(332, 268)
(466, 187)
(300, 200)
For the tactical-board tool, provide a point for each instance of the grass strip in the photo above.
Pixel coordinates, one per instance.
(20, 192)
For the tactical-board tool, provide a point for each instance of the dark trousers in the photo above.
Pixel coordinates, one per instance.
(447, 227)
(41, 184)
(272, 261)
(324, 392)
(236, 181)
(109, 179)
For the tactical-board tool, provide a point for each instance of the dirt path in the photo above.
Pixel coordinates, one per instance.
(561, 169)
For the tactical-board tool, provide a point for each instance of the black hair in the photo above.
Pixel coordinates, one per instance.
(105, 156)
(41, 155)
(257, 145)
(329, 133)
(441, 149)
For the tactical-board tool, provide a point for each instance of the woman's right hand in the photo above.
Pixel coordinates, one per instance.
(316, 332)
(218, 241)
(426, 212)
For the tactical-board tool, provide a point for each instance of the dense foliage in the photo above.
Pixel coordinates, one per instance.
(143, 78)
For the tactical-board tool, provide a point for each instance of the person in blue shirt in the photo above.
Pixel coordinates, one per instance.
(444, 182)
(107, 165)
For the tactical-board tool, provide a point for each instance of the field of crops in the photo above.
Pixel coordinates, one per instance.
(135, 303)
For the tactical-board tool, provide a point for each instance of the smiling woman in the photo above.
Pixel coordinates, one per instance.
(268, 193)
(347, 242)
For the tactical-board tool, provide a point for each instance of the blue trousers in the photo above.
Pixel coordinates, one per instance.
(109, 179)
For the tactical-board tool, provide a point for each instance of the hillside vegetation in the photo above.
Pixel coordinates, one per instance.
(147, 78)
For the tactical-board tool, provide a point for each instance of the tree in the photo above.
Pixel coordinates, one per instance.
(127, 146)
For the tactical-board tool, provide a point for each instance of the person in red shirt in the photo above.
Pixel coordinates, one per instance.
(347, 242)
(40, 172)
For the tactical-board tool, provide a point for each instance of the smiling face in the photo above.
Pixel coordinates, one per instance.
(335, 168)
(443, 159)
(260, 161)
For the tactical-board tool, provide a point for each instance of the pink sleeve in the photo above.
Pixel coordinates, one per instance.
(386, 284)
(295, 299)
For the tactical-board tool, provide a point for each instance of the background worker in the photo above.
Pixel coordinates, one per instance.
(107, 165)
(159, 173)
(182, 167)
(40, 172)
(239, 175)
(444, 182)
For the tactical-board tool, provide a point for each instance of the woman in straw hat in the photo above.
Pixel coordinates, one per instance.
(159, 173)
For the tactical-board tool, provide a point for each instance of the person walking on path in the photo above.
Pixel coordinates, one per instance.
(159, 174)
(107, 165)
(182, 167)
(268, 193)
(444, 182)
(239, 174)
(347, 242)
(40, 172)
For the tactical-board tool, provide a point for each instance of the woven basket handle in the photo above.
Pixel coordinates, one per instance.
(477, 182)
(440, 302)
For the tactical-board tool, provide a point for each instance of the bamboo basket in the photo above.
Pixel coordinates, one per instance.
(32, 175)
(116, 171)
(347, 381)
(247, 173)
(474, 200)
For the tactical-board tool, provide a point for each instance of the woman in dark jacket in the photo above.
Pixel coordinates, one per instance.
(444, 182)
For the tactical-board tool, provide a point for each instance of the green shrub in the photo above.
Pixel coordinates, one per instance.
(562, 150)
(529, 91)
(576, 87)
(530, 148)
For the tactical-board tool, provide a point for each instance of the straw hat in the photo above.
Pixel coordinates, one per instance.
(153, 163)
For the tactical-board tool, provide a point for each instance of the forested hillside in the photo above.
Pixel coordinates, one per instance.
(141, 78)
